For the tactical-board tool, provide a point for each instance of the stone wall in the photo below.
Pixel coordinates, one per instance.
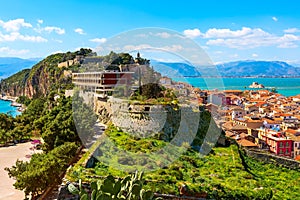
(273, 159)
(169, 121)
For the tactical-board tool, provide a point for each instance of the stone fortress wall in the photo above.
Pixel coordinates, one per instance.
(147, 120)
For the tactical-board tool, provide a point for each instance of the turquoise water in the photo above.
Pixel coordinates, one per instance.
(284, 86)
(5, 107)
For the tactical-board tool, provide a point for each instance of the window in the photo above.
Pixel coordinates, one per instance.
(280, 151)
(287, 144)
(286, 151)
(281, 144)
(296, 144)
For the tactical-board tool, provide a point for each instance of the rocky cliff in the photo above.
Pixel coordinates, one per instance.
(43, 78)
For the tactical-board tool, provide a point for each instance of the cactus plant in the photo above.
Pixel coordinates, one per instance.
(130, 188)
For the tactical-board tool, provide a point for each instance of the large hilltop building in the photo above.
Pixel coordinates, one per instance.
(103, 83)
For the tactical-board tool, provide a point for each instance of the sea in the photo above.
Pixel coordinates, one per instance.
(5, 107)
(284, 86)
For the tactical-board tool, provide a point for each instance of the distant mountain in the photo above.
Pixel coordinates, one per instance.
(174, 69)
(258, 68)
(11, 65)
(238, 68)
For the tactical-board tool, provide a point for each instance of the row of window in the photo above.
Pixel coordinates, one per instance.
(287, 144)
(281, 151)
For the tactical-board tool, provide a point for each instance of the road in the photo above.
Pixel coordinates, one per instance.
(8, 157)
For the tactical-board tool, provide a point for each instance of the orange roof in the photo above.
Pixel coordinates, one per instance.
(285, 114)
(228, 91)
(246, 143)
(229, 134)
(260, 103)
(263, 91)
(269, 121)
(292, 131)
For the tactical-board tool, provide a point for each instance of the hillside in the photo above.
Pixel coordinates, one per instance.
(54, 72)
(225, 173)
(238, 68)
(12, 65)
(43, 77)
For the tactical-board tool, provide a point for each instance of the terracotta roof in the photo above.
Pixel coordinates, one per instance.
(297, 158)
(263, 91)
(229, 134)
(260, 103)
(285, 114)
(227, 125)
(269, 121)
(246, 143)
(243, 135)
(238, 127)
(292, 131)
(229, 91)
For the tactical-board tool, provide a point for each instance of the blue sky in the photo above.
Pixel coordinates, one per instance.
(226, 30)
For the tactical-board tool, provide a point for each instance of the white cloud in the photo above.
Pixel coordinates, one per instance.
(40, 21)
(172, 48)
(292, 30)
(192, 33)
(136, 47)
(218, 52)
(287, 45)
(275, 19)
(58, 41)
(234, 55)
(14, 36)
(248, 38)
(57, 30)
(163, 35)
(79, 31)
(254, 55)
(14, 25)
(9, 51)
(98, 40)
(227, 33)
(55, 52)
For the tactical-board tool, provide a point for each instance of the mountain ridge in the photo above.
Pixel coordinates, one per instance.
(12, 65)
(244, 68)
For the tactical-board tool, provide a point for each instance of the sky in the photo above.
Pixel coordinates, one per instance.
(225, 30)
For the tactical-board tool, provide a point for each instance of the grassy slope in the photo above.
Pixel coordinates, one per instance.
(221, 174)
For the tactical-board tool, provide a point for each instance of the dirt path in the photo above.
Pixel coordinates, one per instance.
(8, 157)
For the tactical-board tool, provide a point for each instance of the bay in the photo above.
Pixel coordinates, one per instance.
(285, 86)
(6, 108)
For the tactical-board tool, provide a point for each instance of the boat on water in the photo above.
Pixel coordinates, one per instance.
(256, 85)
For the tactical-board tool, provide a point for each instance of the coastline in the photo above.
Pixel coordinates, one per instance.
(13, 103)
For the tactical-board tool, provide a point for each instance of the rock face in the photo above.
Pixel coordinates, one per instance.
(38, 81)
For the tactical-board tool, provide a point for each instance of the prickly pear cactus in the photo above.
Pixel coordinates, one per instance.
(130, 188)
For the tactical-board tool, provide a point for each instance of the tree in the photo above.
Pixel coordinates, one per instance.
(57, 125)
(150, 90)
(273, 90)
(24, 100)
(43, 170)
